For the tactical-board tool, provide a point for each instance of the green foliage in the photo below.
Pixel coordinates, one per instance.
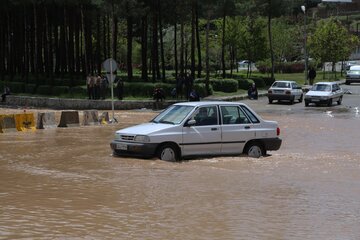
(244, 84)
(16, 87)
(44, 90)
(78, 91)
(224, 85)
(331, 42)
(30, 88)
(60, 90)
(259, 82)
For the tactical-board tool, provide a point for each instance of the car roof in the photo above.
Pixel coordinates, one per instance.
(205, 103)
(287, 81)
(326, 83)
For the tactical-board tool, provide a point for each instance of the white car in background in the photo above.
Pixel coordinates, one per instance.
(324, 93)
(285, 90)
(353, 75)
(199, 128)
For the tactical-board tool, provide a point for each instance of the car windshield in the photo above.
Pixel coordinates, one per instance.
(281, 85)
(173, 114)
(321, 87)
(354, 72)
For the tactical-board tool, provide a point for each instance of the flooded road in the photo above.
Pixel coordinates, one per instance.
(63, 183)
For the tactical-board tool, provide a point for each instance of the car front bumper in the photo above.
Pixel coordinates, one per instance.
(121, 148)
(317, 100)
(352, 80)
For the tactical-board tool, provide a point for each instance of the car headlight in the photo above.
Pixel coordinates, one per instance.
(141, 138)
(117, 136)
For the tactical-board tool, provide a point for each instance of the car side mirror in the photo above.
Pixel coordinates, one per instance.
(190, 122)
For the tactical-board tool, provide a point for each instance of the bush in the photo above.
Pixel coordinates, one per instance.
(30, 88)
(225, 85)
(44, 90)
(16, 87)
(78, 91)
(62, 82)
(200, 88)
(60, 90)
(259, 82)
(244, 83)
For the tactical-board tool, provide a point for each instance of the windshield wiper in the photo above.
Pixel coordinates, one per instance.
(166, 122)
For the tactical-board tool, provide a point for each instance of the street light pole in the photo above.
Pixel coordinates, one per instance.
(303, 8)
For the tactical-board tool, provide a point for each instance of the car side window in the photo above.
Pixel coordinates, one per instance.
(233, 115)
(252, 117)
(206, 116)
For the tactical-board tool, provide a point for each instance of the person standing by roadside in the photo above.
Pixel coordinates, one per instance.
(312, 75)
(253, 92)
(6, 92)
(104, 87)
(119, 88)
(88, 85)
(97, 87)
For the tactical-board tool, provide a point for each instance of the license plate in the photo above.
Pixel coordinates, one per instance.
(315, 100)
(278, 91)
(121, 146)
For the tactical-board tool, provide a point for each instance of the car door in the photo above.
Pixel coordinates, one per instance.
(205, 136)
(296, 90)
(236, 129)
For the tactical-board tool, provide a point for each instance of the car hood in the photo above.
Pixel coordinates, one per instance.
(318, 93)
(145, 128)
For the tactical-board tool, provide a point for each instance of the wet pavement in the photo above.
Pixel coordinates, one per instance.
(64, 183)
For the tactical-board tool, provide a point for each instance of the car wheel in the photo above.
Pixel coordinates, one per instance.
(270, 101)
(339, 101)
(255, 150)
(306, 103)
(168, 152)
(329, 102)
(301, 98)
(347, 82)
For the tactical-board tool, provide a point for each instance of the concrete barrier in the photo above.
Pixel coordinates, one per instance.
(90, 117)
(46, 120)
(69, 119)
(25, 121)
(104, 118)
(7, 123)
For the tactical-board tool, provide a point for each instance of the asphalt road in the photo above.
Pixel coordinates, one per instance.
(350, 105)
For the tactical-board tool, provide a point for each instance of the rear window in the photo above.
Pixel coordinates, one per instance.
(281, 85)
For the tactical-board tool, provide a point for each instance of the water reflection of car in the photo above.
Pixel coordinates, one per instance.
(353, 75)
(199, 128)
(285, 90)
(324, 93)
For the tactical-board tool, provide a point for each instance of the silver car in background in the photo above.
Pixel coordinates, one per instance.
(285, 90)
(353, 75)
(324, 93)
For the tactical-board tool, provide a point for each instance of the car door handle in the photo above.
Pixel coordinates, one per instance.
(214, 129)
(247, 127)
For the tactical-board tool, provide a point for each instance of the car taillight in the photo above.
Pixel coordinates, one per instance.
(269, 91)
(288, 92)
(278, 131)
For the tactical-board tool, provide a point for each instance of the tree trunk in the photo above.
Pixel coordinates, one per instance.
(198, 42)
(144, 49)
(129, 47)
(182, 49)
(207, 79)
(223, 44)
(193, 26)
(270, 43)
(161, 43)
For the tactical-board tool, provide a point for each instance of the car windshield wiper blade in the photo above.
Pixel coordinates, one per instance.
(166, 122)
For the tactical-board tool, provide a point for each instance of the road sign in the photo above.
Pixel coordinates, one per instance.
(110, 77)
(110, 65)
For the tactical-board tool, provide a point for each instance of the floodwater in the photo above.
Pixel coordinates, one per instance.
(64, 183)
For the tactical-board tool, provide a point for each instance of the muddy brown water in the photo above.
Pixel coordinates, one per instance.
(64, 183)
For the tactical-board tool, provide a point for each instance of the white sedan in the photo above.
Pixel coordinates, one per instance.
(324, 93)
(199, 128)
